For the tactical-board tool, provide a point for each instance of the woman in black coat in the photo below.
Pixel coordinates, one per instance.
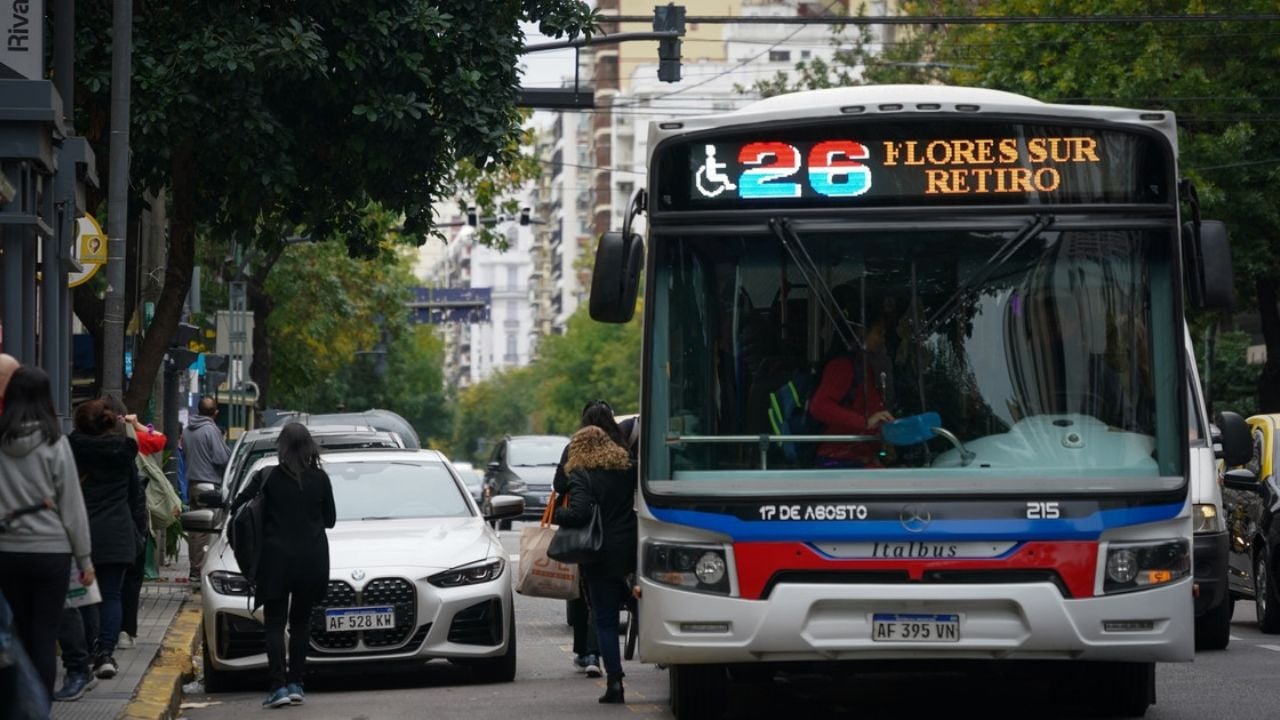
(117, 508)
(293, 570)
(601, 474)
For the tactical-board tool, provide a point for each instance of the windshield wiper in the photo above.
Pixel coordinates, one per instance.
(795, 247)
(1030, 231)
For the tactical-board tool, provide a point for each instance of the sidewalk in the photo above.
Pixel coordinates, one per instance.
(157, 608)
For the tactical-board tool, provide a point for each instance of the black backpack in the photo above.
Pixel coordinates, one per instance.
(245, 535)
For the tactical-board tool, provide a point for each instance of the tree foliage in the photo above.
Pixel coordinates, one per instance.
(262, 118)
(590, 361)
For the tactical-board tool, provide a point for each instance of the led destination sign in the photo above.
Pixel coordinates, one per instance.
(926, 163)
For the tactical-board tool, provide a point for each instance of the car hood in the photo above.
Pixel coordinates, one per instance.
(427, 543)
(536, 476)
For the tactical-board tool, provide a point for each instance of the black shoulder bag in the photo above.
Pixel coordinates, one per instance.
(579, 545)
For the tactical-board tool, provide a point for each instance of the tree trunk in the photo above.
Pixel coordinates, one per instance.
(177, 278)
(90, 309)
(1269, 312)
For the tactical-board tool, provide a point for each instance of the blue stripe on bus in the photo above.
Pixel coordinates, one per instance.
(1086, 528)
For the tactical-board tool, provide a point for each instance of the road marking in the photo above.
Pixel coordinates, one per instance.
(1275, 648)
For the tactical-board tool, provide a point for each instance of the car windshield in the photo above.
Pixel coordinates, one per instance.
(330, 444)
(528, 452)
(391, 490)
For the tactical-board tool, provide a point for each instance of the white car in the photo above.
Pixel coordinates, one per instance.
(411, 556)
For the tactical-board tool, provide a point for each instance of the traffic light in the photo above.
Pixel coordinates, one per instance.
(669, 19)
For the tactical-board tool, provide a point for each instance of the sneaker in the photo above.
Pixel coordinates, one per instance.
(105, 667)
(277, 698)
(580, 663)
(295, 693)
(125, 642)
(73, 687)
(593, 667)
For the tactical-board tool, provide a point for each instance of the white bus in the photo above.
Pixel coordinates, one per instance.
(1003, 280)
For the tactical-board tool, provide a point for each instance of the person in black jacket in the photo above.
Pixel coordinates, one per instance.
(293, 571)
(117, 514)
(601, 475)
(586, 647)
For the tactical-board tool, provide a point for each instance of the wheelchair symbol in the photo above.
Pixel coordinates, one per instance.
(710, 177)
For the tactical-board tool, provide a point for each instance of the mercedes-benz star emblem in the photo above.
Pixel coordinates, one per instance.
(357, 574)
(914, 518)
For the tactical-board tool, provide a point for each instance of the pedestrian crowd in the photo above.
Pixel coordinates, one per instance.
(74, 524)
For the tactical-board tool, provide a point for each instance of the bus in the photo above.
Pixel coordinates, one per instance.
(990, 291)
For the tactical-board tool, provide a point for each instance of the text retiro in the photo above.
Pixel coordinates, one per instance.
(987, 165)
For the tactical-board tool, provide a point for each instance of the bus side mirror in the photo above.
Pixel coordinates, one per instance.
(1207, 259)
(1237, 442)
(615, 282)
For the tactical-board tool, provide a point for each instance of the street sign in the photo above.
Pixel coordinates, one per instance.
(89, 249)
(433, 306)
(22, 40)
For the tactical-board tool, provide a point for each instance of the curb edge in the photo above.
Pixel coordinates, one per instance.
(160, 692)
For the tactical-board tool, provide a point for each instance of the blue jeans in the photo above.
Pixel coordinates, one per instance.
(607, 596)
(111, 611)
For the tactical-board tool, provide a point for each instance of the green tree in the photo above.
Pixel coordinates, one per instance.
(502, 405)
(262, 118)
(590, 361)
(1218, 78)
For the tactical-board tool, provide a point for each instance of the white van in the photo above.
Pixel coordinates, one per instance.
(1209, 554)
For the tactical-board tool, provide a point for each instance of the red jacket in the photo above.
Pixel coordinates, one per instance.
(828, 405)
(151, 442)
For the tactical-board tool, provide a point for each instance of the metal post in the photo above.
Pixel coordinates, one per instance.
(13, 292)
(57, 333)
(118, 202)
(64, 59)
(50, 300)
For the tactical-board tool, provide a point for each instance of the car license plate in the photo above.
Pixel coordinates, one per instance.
(894, 627)
(364, 618)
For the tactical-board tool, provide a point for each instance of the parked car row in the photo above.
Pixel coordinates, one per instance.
(413, 554)
(1251, 497)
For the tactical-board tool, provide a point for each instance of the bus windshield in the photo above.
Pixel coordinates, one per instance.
(1024, 351)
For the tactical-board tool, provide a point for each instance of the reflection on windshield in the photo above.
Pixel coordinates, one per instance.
(387, 490)
(533, 452)
(1029, 349)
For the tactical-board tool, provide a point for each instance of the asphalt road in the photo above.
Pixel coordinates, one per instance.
(1241, 683)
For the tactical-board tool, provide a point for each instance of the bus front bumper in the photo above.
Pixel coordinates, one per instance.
(816, 622)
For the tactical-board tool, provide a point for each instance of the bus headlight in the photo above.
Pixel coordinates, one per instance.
(1207, 519)
(702, 568)
(1137, 566)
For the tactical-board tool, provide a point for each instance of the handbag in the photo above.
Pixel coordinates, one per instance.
(579, 544)
(539, 575)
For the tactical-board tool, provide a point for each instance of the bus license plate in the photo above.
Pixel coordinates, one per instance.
(364, 618)
(889, 627)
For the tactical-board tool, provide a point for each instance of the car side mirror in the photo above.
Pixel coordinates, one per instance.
(201, 521)
(502, 507)
(1237, 443)
(1242, 479)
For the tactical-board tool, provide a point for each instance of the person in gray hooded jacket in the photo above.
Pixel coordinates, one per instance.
(207, 455)
(37, 548)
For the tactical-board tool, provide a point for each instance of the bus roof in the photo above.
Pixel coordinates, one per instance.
(918, 100)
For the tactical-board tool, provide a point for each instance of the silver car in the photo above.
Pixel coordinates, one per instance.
(416, 573)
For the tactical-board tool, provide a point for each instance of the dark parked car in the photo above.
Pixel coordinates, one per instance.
(472, 478)
(524, 465)
(1250, 498)
(384, 420)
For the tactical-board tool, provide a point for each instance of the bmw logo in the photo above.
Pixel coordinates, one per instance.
(357, 574)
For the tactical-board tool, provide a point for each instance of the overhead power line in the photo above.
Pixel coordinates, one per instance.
(952, 19)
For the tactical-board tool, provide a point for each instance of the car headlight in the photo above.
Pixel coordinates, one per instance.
(1137, 566)
(703, 568)
(1207, 519)
(472, 574)
(229, 583)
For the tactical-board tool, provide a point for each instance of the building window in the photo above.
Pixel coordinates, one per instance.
(511, 310)
(779, 56)
(805, 54)
(511, 277)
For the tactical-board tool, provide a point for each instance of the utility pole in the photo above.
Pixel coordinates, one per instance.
(118, 202)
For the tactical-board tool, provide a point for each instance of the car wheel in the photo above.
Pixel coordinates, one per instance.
(1264, 593)
(1213, 629)
(215, 680)
(503, 667)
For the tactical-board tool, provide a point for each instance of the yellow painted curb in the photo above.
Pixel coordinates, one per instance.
(160, 691)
